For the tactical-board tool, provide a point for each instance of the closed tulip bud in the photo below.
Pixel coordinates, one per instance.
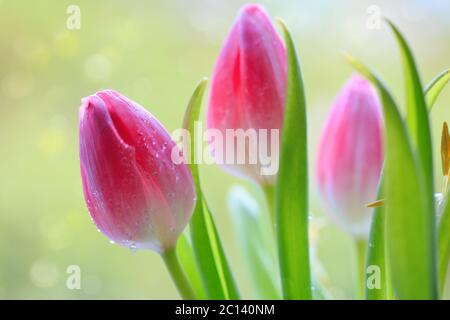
(134, 192)
(248, 91)
(350, 157)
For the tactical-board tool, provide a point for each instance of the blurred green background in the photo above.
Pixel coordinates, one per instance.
(154, 52)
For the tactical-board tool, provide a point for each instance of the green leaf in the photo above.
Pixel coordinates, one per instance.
(213, 265)
(258, 250)
(435, 87)
(189, 264)
(418, 122)
(417, 116)
(444, 245)
(292, 185)
(409, 223)
(376, 259)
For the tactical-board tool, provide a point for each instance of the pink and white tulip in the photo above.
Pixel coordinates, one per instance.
(248, 86)
(134, 192)
(350, 157)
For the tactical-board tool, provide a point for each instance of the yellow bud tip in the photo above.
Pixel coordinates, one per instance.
(445, 149)
(376, 204)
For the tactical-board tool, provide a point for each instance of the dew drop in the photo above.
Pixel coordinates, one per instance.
(111, 241)
(133, 247)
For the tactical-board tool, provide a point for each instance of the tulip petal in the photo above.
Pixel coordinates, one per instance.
(108, 194)
(248, 89)
(135, 193)
(350, 156)
(153, 147)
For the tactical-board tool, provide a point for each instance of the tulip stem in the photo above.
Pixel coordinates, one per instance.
(269, 192)
(176, 272)
(361, 248)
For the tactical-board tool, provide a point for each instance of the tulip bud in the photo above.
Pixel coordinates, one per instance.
(248, 90)
(134, 192)
(350, 156)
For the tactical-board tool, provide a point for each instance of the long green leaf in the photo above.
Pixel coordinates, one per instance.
(187, 259)
(258, 250)
(409, 228)
(444, 246)
(418, 122)
(417, 115)
(292, 185)
(376, 254)
(435, 87)
(376, 250)
(376, 258)
(214, 268)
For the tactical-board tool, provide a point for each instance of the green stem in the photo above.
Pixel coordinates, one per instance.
(176, 272)
(361, 247)
(444, 245)
(269, 192)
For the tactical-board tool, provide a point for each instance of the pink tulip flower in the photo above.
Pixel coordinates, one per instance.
(248, 88)
(350, 156)
(134, 192)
